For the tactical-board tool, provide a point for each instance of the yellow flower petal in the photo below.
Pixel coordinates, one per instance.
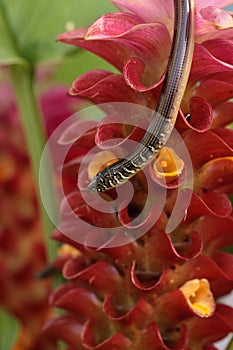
(199, 297)
(168, 165)
(67, 249)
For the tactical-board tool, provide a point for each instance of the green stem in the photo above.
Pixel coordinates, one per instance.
(23, 83)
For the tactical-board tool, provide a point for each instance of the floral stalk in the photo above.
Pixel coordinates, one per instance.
(23, 82)
(23, 253)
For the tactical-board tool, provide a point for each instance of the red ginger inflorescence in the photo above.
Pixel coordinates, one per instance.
(159, 291)
(22, 246)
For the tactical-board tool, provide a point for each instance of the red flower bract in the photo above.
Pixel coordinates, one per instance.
(22, 248)
(21, 294)
(158, 291)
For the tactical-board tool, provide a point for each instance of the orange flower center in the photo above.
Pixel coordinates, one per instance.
(67, 249)
(199, 297)
(7, 167)
(168, 165)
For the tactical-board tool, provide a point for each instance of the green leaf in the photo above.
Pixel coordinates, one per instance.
(8, 49)
(29, 28)
(9, 329)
